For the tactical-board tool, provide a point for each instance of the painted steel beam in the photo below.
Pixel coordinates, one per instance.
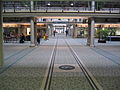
(67, 0)
(65, 14)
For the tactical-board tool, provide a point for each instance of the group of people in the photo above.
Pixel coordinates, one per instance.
(39, 36)
(54, 32)
(22, 38)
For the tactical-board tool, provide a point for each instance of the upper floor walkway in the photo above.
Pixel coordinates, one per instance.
(61, 8)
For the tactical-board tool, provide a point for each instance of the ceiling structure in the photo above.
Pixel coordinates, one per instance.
(67, 0)
(60, 4)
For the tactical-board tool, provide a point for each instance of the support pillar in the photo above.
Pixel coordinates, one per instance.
(50, 30)
(33, 32)
(31, 5)
(24, 28)
(88, 32)
(1, 35)
(76, 29)
(91, 31)
(73, 32)
(19, 29)
(89, 5)
(93, 6)
(66, 29)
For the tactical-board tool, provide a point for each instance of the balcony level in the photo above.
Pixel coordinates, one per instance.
(61, 8)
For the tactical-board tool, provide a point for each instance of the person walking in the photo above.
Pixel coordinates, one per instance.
(66, 32)
(38, 37)
(54, 33)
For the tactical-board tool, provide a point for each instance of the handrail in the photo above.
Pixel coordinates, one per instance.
(60, 9)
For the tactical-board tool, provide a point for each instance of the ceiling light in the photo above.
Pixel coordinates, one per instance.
(48, 4)
(71, 4)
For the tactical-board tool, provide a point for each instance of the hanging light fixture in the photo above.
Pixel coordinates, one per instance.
(71, 4)
(48, 4)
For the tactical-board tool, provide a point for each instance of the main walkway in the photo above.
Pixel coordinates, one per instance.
(61, 63)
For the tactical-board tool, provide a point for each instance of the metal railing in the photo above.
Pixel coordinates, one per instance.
(60, 9)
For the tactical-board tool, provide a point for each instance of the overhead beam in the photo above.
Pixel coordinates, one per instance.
(68, 0)
(70, 14)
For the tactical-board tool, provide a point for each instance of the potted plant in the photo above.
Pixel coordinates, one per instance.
(102, 34)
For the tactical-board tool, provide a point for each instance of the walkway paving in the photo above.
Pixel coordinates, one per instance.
(25, 67)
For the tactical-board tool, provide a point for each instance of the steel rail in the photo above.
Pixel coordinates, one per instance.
(93, 82)
(48, 76)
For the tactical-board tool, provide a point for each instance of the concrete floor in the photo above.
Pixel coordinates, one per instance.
(25, 68)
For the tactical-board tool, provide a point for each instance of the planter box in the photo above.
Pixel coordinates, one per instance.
(101, 41)
(113, 38)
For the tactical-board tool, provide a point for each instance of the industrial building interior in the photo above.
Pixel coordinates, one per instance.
(59, 45)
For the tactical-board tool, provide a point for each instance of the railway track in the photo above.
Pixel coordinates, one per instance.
(92, 81)
(48, 76)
